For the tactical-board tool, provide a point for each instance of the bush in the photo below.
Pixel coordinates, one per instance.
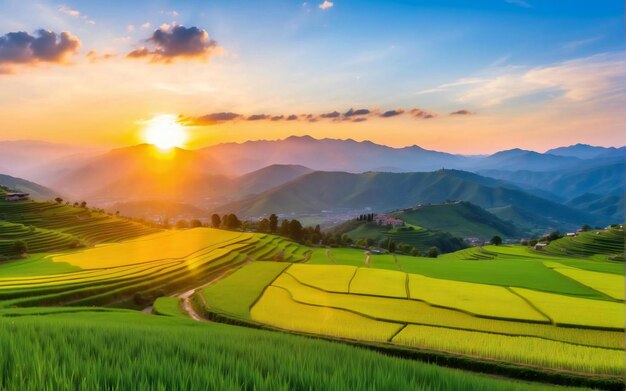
(432, 252)
(20, 247)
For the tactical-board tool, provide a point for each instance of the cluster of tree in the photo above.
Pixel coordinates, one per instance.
(366, 217)
(547, 238)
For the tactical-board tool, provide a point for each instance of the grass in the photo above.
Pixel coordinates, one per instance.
(137, 351)
(574, 311)
(609, 243)
(169, 306)
(235, 294)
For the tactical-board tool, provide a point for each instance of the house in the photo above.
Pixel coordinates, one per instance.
(571, 234)
(540, 246)
(387, 220)
(17, 196)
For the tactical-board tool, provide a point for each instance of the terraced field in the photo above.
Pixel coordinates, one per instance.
(132, 272)
(88, 226)
(532, 310)
(595, 243)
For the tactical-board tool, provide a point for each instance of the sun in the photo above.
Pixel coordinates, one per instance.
(164, 132)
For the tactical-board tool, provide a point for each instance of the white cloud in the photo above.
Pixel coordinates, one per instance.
(521, 3)
(130, 28)
(326, 4)
(582, 79)
(68, 11)
(145, 26)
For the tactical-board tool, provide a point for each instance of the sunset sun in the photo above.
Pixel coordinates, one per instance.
(164, 132)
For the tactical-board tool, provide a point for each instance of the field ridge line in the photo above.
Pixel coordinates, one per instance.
(531, 305)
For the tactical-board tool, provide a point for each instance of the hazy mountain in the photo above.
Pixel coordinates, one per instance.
(143, 171)
(585, 151)
(151, 208)
(566, 184)
(612, 207)
(330, 155)
(519, 159)
(269, 177)
(36, 191)
(336, 191)
(28, 158)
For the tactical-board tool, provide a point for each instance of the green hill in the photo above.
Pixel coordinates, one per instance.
(36, 191)
(418, 237)
(458, 218)
(383, 192)
(608, 242)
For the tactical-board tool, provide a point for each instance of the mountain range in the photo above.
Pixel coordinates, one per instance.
(302, 175)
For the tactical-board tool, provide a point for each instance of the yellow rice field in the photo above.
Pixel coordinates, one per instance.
(276, 308)
(379, 282)
(416, 312)
(575, 311)
(478, 299)
(159, 246)
(610, 284)
(333, 279)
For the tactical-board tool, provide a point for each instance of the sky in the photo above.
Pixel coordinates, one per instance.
(457, 76)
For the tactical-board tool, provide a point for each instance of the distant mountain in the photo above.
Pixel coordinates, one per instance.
(612, 207)
(148, 209)
(330, 155)
(144, 172)
(336, 191)
(36, 191)
(28, 158)
(517, 159)
(462, 219)
(604, 180)
(585, 151)
(269, 177)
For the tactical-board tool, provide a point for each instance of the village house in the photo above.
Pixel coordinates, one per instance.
(386, 220)
(17, 196)
(540, 246)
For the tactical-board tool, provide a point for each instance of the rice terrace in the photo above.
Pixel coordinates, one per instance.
(319, 195)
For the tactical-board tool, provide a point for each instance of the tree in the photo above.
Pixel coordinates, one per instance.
(415, 252)
(284, 228)
(20, 247)
(195, 223)
(273, 223)
(264, 225)
(232, 221)
(83, 204)
(392, 246)
(432, 252)
(216, 221)
(496, 240)
(295, 230)
(58, 200)
(585, 228)
(181, 224)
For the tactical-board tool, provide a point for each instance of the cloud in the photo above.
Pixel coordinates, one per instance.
(326, 5)
(520, 3)
(334, 114)
(575, 45)
(45, 46)
(170, 42)
(461, 112)
(145, 26)
(94, 57)
(209, 119)
(422, 114)
(258, 117)
(68, 11)
(277, 117)
(352, 112)
(392, 113)
(292, 117)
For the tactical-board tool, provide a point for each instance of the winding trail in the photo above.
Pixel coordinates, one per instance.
(186, 296)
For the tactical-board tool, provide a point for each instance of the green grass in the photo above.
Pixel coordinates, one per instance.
(129, 350)
(235, 294)
(35, 265)
(168, 306)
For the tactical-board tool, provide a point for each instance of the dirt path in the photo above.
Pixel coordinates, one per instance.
(329, 256)
(186, 296)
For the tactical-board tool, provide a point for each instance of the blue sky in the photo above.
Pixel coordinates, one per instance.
(498, 59)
